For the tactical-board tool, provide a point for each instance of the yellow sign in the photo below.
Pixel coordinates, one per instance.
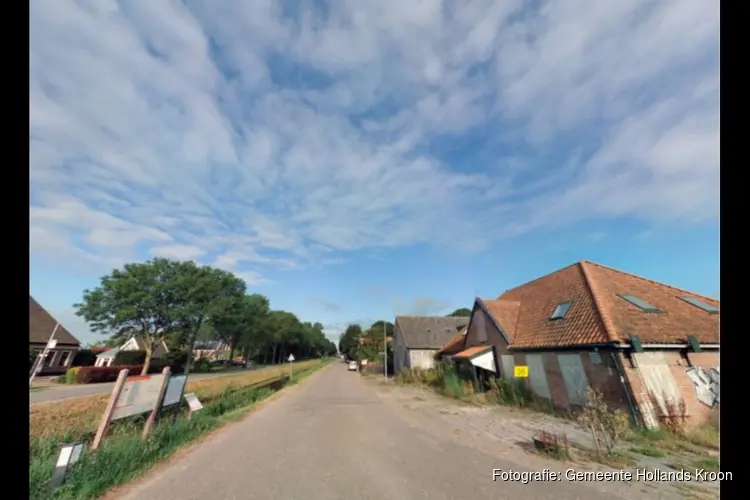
(521, 371)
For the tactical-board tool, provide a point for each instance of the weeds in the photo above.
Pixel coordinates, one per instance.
(708, 463)
(649, 451)
(675, 417)
(606, 425)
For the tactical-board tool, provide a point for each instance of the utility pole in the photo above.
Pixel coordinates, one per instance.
(43, 355)
(385, 352)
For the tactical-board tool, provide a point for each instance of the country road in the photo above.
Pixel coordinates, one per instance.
(332, 438)
(58, 392)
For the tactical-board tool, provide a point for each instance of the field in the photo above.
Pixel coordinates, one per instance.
(82, 415)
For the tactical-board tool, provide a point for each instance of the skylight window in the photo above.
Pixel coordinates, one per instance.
(697, 303)
(561, 310)
(639, 303)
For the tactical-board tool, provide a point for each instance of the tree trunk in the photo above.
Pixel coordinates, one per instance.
(273, 357)
(147, 360)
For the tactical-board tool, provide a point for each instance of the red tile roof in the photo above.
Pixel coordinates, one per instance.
(472, 351)
(454, 345)
(598, 314)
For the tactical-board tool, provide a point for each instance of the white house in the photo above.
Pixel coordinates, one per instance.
(133, 344)
(418, 338)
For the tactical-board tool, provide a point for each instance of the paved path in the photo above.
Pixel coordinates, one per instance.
(57, 392)
(334, 438)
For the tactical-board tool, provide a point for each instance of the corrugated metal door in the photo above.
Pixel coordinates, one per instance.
(574, 377)
(537, 375)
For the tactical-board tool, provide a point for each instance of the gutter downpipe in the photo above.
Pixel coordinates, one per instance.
(624, 383)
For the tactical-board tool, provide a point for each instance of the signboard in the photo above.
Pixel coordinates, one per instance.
(193, 403)
(290, 358)
(174, 390)
(520, 371)
(138, 396)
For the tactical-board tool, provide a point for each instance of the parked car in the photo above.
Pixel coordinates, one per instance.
(352, 366)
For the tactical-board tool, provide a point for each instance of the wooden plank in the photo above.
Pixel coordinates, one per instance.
(122, 377)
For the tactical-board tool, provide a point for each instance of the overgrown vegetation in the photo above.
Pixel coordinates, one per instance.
(606, 425)
(124, 456)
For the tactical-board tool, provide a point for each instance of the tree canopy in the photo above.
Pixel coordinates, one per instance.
(463, 312)
(179, 302)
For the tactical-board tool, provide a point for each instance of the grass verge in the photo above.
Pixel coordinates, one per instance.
(82, 414)
(124, 456)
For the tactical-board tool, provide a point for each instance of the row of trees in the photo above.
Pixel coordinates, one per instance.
(180, 302)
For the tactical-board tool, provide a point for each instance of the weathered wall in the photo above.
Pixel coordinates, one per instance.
(422, 358)
(400, 353)
(658, 376)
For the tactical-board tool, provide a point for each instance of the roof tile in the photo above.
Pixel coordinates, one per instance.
(429, 332)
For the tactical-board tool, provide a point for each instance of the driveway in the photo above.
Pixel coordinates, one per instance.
(56, 392)
(333, 437)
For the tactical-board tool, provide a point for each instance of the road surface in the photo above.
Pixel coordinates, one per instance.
(57, 392)
(333, 438)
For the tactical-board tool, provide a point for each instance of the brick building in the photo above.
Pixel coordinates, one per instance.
(646, 346)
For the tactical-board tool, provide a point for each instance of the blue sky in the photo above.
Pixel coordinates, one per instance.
(354, 160)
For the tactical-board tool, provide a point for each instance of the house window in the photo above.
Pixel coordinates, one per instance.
(639, 303)
(561, 310)
(697, 303)
(52, 358)
(64, 358)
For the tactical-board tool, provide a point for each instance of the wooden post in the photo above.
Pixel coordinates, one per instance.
(122, 377)
(157, 406)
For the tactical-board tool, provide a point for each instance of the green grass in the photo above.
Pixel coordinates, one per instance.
(649, 451)
(708, 463)
(123, 456)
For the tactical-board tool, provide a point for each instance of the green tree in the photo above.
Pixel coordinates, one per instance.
(158, 300)
(349, 341)
(463, 312)
(241, 324)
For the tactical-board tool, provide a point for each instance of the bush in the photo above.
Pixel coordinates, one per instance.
(129, 358)
(72, 375)
(99, 374)
(84, 357)
(202, 365)
(508, 392)
(606, 425)
(176, 360)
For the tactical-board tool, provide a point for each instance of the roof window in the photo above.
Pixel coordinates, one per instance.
(639, 303)
(697, 303)
(561, 310)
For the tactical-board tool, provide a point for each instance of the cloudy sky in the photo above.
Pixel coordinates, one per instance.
(355, 159)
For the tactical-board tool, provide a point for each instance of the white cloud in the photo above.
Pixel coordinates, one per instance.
(234, 134)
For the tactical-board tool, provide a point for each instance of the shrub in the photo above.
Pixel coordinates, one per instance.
(60, 379)
(129, 358)
(72, 375)
(509, 392)
(84, 357)
(202, 365)
(176, 360)
(605, 424)
(99, 374)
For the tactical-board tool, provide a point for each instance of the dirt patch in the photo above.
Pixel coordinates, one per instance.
(507, 432)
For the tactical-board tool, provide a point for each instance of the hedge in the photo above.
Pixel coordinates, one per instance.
(99, 374)
(129, 358)
(84, 357)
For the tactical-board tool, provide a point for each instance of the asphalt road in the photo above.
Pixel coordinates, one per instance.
(333, 438)
(57, 392)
